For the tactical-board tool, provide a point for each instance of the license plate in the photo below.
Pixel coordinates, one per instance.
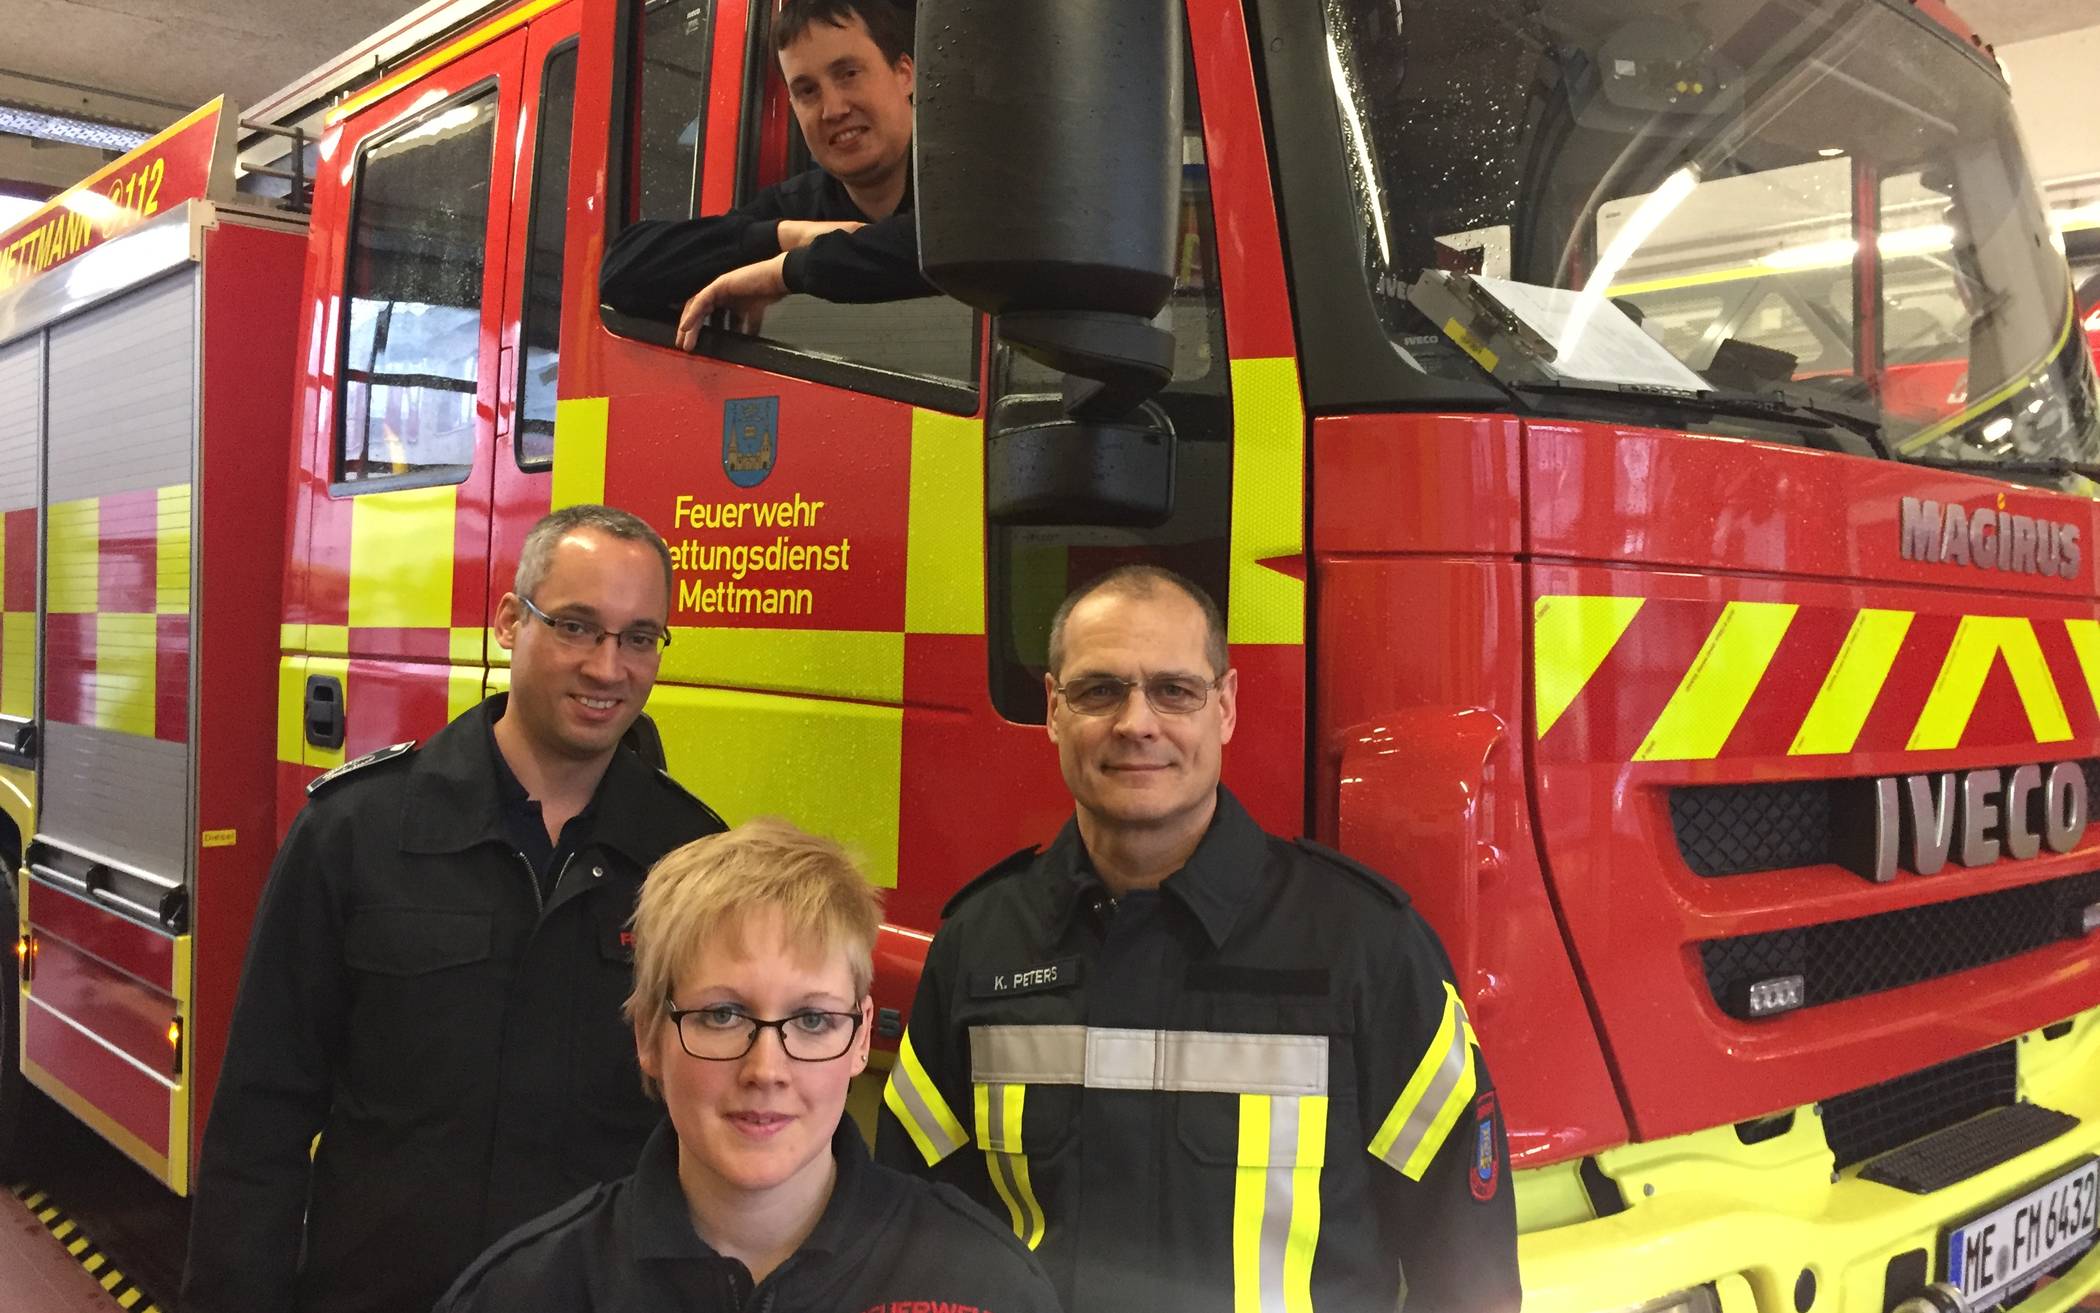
(1987, 1257)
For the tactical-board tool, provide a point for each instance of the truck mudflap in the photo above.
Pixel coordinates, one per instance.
(1753, 1217)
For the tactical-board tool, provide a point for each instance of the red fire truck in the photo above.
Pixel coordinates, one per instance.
(1560, 395)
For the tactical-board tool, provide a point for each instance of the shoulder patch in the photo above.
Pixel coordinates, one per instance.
(683, 792)
(1364, 873)
(1020, 860)
(389, 753)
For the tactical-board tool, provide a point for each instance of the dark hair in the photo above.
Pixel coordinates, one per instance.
(887, 21)
(537, 555)
(1144, 581)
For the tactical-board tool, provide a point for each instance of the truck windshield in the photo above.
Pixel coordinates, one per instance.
(1823, 204)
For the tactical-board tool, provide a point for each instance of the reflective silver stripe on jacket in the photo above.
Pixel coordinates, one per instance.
(1185, 1061)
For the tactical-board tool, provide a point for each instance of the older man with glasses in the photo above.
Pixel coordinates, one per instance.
(1197, 1066)
(435, 982)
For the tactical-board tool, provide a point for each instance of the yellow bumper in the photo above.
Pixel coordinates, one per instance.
(1749, 1219)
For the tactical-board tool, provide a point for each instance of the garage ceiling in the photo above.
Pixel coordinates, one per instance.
(2002, 22)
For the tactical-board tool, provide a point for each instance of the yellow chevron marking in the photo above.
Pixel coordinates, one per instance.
(1841, 707)
(1710, 699)
(2085, 641)
(1978, 641)
(1571, 636)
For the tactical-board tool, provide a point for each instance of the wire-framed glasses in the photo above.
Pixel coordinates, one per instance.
(721, 1032)
(1169, 695)
(640, 641)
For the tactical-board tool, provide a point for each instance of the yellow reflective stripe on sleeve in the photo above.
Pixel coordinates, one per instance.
(1571, 637)
(1268, 502)
(1978, 641)
(919, 1108)
(1855, 680)
(1710, 699)
(1276, 1202)
(944, 536)
(579, 450)
(1441, 1086)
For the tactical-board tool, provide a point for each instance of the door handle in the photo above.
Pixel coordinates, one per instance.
(324, 711)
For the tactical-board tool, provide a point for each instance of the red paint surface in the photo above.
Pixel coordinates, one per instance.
(20, 526)
(69, 668)
(123, 944)
(117, 1007)
(127, 1096)
(171, 678)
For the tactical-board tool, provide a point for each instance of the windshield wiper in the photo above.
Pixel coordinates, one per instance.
(1813, 413)
(2048, 467)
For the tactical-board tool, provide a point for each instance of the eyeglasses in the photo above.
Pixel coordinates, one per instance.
(641, 641)
(1169, 695)
(721, 1033)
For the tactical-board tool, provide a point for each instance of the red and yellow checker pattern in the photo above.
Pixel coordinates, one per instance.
(18, 529)
(117, 628)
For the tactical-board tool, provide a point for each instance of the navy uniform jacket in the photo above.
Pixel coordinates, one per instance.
(458, 1047)
(885, 1244)
(1252, 1088)
(656, 265)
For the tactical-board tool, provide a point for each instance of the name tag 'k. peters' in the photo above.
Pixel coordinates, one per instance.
(1061, 974)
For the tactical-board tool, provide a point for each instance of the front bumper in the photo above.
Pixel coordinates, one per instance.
(1751, 1219)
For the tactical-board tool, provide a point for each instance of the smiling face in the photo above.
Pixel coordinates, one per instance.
(1134, 768)
(853, 105)
(574, 703)
(762, 1122)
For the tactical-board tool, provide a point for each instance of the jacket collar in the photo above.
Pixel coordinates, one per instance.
(1214, 884)
(455, 799)
(664, 1229)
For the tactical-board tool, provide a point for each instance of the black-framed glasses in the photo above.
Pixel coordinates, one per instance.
(721, 1032)
(1169, 695)
(641, 641)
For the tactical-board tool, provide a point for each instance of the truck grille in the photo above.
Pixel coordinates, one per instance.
(1741, 829)
(1872, 1121)
(1846, 959)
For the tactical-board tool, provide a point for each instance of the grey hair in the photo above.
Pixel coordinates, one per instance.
(538, 552)
(1144, 581)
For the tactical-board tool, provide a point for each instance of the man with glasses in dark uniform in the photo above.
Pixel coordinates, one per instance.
(1194, 1065)
(435, 980)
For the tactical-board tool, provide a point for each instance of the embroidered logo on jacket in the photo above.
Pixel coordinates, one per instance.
(1487, 1163)
(1060, 974)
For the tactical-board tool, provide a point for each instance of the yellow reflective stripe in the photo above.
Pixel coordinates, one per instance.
(944, 535)
(123, 678)
(291, 637)
(462, 691)
(466, 644)
(1978, 641)
(18, 664)
(171, 556)
(328, 640)
(1268, 502)
(840, 663)
(920, 1109)
(1441, 1085)
(1855, 680)
(1710, 699)
(73, 557)
(401, 558)
(999, 1109)
(1250, 1190)
(1305, 1204)
(2085, 641)
(1276, 1202)
(579, 450)
(1571, 636)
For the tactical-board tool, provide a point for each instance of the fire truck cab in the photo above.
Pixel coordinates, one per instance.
(1643, 451)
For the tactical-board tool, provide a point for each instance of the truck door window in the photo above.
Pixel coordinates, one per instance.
(669, 96)
(412, 339)
(539, 333)
(1029, 570)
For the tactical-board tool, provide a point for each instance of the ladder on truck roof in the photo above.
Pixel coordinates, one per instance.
(275, 131)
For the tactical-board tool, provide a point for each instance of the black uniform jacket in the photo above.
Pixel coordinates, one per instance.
(1254, 1087)
(885, 1244)
(458, 1047)
(656, 265)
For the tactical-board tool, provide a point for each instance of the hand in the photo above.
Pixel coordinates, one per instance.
(742, 294)
(793, 234)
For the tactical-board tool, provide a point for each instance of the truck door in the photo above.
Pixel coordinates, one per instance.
(388, 608)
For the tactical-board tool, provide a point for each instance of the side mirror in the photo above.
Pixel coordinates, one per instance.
(1048, 158)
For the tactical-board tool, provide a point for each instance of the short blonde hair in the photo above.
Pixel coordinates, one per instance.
(711, 885)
